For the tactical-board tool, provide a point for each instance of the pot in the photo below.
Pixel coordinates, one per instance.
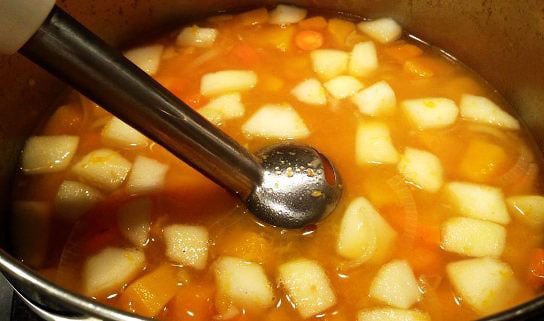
(501, 40)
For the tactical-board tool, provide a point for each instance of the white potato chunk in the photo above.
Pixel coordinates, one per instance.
(422, 169)
(48, 154)
(391, 314)
(147, 58)
(284, 15)
(227, 81)
(276, 121)
(483, 110)
(363, 59)
(110, 269)
(311, 92)
(528, 208)
(147, 176)
(395, 285)
(364, 235)
(427, 113)
(187, 245)
(343, 86)
(118, 134)
(134, 220)
(103, 168)
(30, 231)
(486, 284)
(384, 30)
(478, 201)
(376, 100)
(74, 199)
(243, 283)
(223, 108)
(329, 63)
(373, 144)
(195, 36)
(307, 285)
(472, 237)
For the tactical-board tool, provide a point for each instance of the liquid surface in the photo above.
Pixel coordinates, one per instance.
(152, 236)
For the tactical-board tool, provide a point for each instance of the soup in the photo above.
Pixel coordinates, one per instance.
(440, 219)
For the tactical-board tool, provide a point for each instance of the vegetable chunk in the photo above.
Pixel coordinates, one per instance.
(364, 235)
(74, 199)
(343, 86)
(197, 37)
(528, 208)
(329, 63)
(103, 168)
(478, 201)
(284, 15)
(243, 283)
(373, 144)
(396, 285)
(134, 220)
(471, 237)
(223, 108)
(376, 100)
(48, 154)
(483, 110)
(147, 58)
(307, 285)
(110, 269)
(363, 59)
(276, 121)
(118, 134)
(384, 30)
(427, 113)
(390, 314)
(147, 176)
(227, 81)
(311, 92)
(422, 169)
(187, 245)
(486, 284)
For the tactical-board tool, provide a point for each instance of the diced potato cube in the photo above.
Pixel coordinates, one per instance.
(329, 63)
(118, 134)
(384, 30)
(146, 58)
(471, 237)
(243, 283)
(478, 201)
(483, 110)
(364, 235)
(376, 100)
(395, 285)
(74, 199)
(110, 269)
(187, 245)
(528, 208)
(30, 228)
(48, 154)
(427, 113)
(343, 86)
(421, 168)
(486, 284)
(284, 15)
(363, 59)
(195, 36)
(134, 220)
(223, 108)
(276, 121)
(147, 176)
(227, 81)
(391, 314)
(373, 144)
(311, 92)
(307, 285)
(103, 168)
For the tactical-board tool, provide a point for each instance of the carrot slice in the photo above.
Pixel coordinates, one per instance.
(313, 23)
(308, 40)
(403, 52)
(536, 268)
(193, 302)
(174, 84)
(425, 261)
(340, 29)
(482, 161)
(246, 55)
